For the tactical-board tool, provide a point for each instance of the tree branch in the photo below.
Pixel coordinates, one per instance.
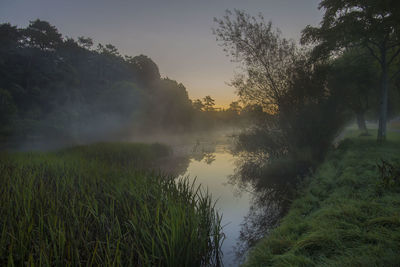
(394, 56)
(371, 51)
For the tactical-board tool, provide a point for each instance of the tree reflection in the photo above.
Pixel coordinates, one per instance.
(272, 186)
(209, 158)
(174, 166)
(204, 151)
(177, 164)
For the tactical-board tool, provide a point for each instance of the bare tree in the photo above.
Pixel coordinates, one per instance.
(264, 54)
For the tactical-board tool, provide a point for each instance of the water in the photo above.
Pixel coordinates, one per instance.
(212, 171)
(251, 205)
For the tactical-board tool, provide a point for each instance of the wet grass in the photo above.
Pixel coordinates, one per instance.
(99, 205)
(347, 214)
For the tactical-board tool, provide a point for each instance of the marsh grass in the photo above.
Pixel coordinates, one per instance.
(99, 205)
(345, 215)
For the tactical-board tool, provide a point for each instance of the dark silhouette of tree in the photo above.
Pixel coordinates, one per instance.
(8, 111)
(198, 105)
(354, 77)
(110, 50)
(233, 112)
(209, 103)
(43, 35)
(85, 42)
(299, 117)
(371, 24)
(264, 53)
(235, 107)
(145, 69)
(62, 89)
(173, 105)
(9, 35)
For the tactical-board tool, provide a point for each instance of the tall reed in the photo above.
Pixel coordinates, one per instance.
(98, 205)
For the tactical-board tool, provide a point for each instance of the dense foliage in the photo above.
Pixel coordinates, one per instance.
(355, 78)
(64, 91)
(369, 24)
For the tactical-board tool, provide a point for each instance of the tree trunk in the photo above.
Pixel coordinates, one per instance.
(362, 126)
(384, 100)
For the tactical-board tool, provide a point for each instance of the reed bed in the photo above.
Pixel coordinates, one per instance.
(99, 205)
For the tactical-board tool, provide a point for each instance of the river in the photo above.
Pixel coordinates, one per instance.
(248, 212)
(213, 173)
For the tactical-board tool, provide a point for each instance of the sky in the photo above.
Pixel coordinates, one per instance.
(176, 34)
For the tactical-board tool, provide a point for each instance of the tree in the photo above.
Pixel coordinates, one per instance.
(208, 103)
(10, 38)
(110, 50)
(198, 105)
(354, 78)
(85, 42)
(235, 107)
(372, 24)
(145, 69)
(300, 117)
(43, 35)
(7, 110)
(51, 85)
(265, 55)
(9, 35)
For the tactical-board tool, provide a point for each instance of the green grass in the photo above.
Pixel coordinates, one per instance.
(345, 216)
(391, 135)
(99, 205)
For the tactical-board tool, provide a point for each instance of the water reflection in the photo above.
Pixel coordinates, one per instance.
(204, 151)
(175, 165)
(272, 188)
(251, 195)
(211, 163)
(209, 158)
(178, 163)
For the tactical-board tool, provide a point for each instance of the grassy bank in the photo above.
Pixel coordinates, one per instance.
(347, 214)
(99, 205)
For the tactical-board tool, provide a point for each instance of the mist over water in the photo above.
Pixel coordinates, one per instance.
(249, 210)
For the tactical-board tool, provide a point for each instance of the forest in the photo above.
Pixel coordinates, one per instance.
(57, 91)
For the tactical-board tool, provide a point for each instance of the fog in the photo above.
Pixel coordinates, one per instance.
(108, 146)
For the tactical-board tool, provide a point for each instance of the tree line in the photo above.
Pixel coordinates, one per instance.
(58, 89)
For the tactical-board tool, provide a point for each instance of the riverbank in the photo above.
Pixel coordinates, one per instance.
(348, 213)
(102, 205)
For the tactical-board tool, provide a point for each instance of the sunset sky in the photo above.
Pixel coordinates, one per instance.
(177, 35)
